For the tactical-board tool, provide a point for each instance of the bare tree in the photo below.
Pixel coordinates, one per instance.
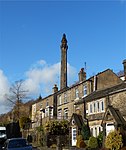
(16, 96)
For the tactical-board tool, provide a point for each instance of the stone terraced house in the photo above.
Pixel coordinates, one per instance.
(87, 97)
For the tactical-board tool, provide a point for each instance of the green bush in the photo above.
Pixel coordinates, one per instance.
(57, 127)
(114, 140)
(100, 139)
(85, 132)
(92, 143)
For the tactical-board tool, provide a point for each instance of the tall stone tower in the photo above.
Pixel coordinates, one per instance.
(63, 76)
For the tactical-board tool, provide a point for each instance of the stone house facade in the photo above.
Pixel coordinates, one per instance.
(66, 99)
(78, 98)
(98, 101)
(61, 104)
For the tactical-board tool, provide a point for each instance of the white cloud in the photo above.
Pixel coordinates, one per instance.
(39, 79)
(4, 89)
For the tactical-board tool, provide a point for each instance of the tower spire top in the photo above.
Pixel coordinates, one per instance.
(64, 42)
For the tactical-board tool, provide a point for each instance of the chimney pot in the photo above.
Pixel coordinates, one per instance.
(55, 88)
(82, 75)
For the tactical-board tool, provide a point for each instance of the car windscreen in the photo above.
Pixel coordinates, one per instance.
(2, 132)
(17, 143)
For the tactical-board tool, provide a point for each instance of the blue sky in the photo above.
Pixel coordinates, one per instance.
(31, 33)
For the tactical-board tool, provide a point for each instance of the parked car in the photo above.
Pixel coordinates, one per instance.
(17, 144)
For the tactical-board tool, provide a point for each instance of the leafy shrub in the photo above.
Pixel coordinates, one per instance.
(57, 127)
(85, 132)
(114, 140)
(93, 143)
(100, 139)
(24, 122)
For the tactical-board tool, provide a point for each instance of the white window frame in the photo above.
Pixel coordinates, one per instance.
(47, 111)
(76, 93)
(102, 106)
(97, 106)
(95, 130)
(59, 114)
(85, 90)
(65, 113)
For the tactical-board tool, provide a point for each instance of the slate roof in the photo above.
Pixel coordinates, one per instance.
(120, 73)
(116, 115)
(102, 93)
(78, 120)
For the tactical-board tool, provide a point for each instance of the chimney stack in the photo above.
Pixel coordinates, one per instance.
(124, 65)
(82, 75)
(55, 88)
(63, 74)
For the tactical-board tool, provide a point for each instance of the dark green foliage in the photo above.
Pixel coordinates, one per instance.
(40, 129)
(100, 139)
(92, 143)
(85, 132)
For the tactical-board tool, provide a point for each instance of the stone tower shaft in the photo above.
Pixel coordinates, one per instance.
(63, 74)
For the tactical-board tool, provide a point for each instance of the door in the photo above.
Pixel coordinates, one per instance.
(74, 134)
(109, 127)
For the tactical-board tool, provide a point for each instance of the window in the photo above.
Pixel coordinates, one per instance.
(65, 113)
(91, 108)
(91, 131)
(85, 90)
(51, 112)
(102, 105)
(65, 98)
(95, 130)
(99, 129)
(76, 93)
(60, 102)
(98, 107)
(74, 134)
(94, 107)
(59, 114)
(47, 112)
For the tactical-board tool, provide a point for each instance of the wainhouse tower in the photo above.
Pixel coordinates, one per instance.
(63, 74)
